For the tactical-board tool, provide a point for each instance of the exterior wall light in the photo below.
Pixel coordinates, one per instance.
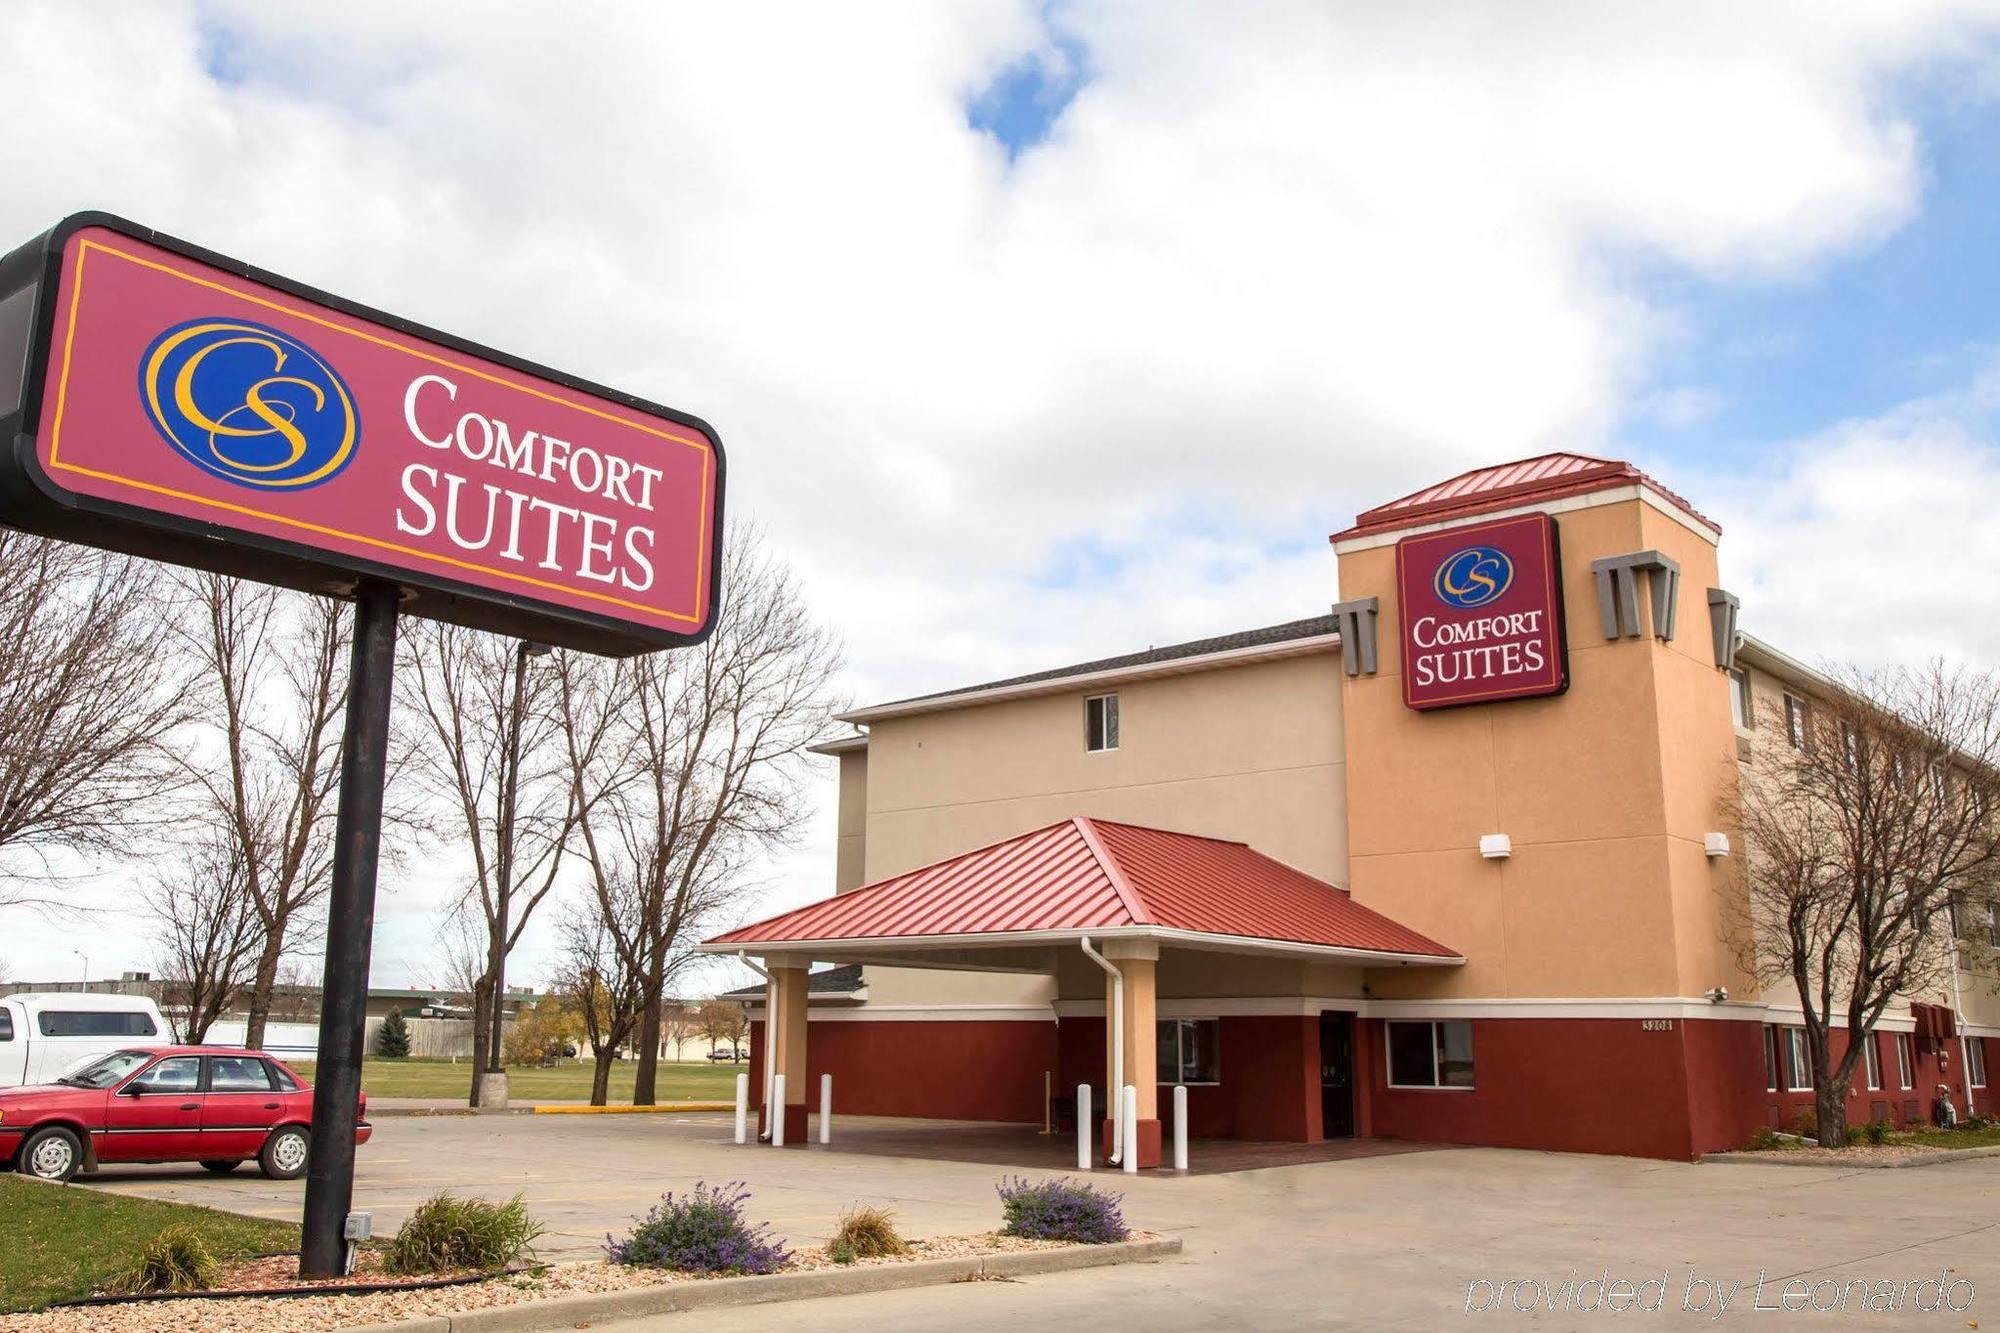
(1495, 846)
(1715, 844)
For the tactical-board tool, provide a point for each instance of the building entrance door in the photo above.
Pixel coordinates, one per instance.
(1336, 1074)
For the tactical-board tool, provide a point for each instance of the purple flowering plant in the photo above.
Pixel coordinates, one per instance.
(700, 1232)
(1058, 1209)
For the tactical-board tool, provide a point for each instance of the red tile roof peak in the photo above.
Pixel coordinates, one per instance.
(1542, 478)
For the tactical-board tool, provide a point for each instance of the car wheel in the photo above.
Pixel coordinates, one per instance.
(284, 1155)
(222, 1168)
(51, 1154)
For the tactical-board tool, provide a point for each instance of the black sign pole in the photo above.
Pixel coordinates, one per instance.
(350, 931)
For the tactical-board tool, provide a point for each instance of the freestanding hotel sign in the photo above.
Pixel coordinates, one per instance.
(168, 402)
(1482, 613)
(172, 403)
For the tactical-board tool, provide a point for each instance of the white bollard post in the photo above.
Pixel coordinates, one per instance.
(826, 1108)
(1083, 1127)
(742, 1109)
(1180, 1127)
(777, 1112)
(1131, 1162)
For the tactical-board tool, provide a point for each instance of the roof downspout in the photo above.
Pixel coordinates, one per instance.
(1117, 1088)
(770, 1027)
(1958, 1013)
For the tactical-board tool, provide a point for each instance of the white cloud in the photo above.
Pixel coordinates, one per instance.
(1271, 267)
(1869, 542)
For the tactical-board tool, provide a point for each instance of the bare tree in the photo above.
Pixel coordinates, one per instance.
(595, 976)
(275, 667)
(479, 740)
(296, 997)
(1860, 840)
(695, 778)
(89, 702)
(725, 1020)
(679, 1021)
(208, 934)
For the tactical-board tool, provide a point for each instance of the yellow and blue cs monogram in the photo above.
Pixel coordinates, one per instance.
(1473, 577)
(249, 404)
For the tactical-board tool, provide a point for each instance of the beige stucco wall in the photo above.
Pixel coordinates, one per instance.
(850, 866)
(1249, 752)
(1606, 792)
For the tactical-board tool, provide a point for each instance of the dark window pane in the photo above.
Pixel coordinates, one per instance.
(1201, 1058)
(6, 1025)
(1412, 1055)
(1166, 1050)
(1455, 1053)
(237, 1073)
(282, 1081)
(95, 1023)
(180, 1073)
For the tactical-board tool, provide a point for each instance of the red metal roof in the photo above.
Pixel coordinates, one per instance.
(1090, 874)
(1505, 485)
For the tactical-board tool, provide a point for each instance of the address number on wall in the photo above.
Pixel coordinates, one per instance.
(1656, 1025)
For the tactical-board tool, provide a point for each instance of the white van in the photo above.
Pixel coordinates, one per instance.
(43, 1034)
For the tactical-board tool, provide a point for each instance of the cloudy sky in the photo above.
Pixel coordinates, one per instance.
(1043, 331)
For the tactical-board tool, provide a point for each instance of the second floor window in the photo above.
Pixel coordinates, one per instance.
(1795, 721)
(1100, 722)
(1739, 698)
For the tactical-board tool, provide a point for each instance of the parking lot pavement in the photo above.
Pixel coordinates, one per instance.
(1406, 1241)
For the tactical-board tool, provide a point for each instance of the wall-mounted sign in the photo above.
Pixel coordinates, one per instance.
(1482, 613)
(169, 402)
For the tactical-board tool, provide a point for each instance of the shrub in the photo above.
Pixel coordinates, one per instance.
(177, 1259)
(700, 1232)
(1058, 1209)
(870, 1233)
(1807, 1123)
(447, 1233)
(1875, 1131)
(392, 1039)
(840, 1252)
(1767, 1139)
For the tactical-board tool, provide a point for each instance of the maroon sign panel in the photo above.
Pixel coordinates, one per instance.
(179, 405)
(1482, 613)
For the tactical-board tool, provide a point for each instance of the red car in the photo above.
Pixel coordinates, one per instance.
(219, 1106)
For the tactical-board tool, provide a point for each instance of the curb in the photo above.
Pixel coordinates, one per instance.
(577, 1311)
(1859, 1164)
(634, 1110)
(404, 1112)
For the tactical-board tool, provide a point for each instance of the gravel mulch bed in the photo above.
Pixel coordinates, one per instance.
(307, 1314)
(1880, 1152)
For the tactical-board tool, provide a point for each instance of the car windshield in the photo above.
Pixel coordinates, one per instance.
(101, 1071)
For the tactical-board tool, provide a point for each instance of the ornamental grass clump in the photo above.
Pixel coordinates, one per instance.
(447, 1234)
(1058, 1209)
(867, 1233)
(700, 1232)
(177, 1259)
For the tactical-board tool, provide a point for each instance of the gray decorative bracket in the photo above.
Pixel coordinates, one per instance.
(1618, 592)
(1722, 609)
(1357, 634)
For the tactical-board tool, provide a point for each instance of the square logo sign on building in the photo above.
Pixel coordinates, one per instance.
(1482, 613)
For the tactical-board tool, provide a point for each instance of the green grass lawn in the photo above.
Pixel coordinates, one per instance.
(1950, 1138)
(569, 1082)
(62, 1241)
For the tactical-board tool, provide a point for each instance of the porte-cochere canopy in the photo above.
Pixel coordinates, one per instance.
(1089, 877)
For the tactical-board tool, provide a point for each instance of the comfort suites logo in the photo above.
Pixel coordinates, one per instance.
(249, 404)
(1473, 577)
(1482, 613)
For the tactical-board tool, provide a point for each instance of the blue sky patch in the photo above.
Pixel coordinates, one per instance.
(1021, 106)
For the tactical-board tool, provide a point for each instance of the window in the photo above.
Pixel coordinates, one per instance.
(1871, 1060)
(104, 1070)
(237, 1073)
(1798, 1067)
(1772, 1060)
(6, 1025)
(1958, 930)
(1100, 723)
(1795, 721)
(1739, 698)
(283, 1081)
(95, 1023)
(1189, 1050)
(1975, 1061)
(1906, 1062)
(1430, 1055)
(176, 1073)
(1993, 924)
